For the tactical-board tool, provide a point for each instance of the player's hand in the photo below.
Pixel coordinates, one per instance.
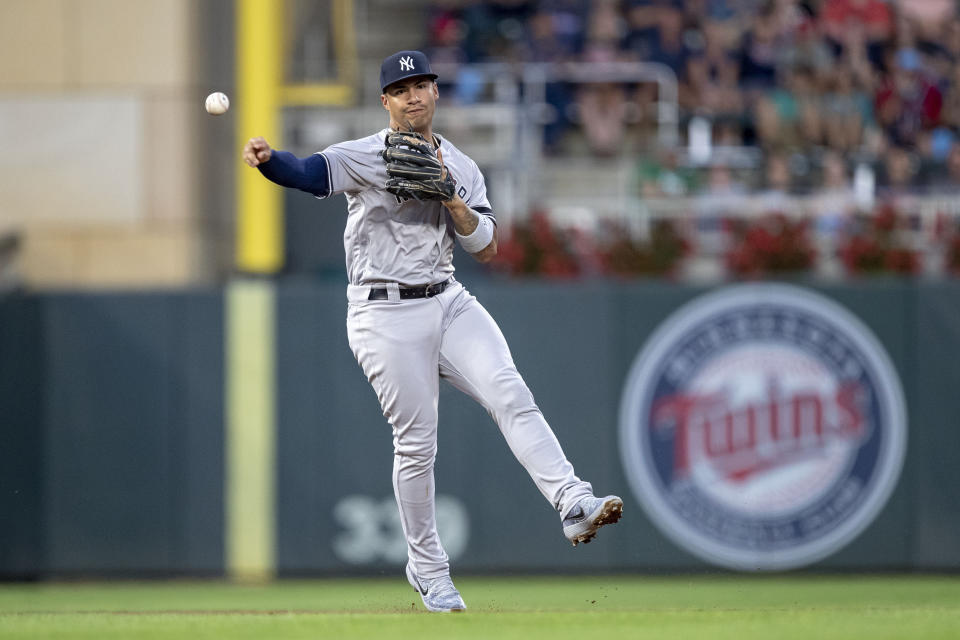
(444, 175)
(256, 151)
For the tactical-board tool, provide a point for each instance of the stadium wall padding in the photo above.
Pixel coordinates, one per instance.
(130, 421)
(113, 420)
(21, 436)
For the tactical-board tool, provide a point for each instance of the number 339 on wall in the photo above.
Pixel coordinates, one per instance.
(371, 530)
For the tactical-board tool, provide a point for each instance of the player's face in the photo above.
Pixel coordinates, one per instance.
(411, 101)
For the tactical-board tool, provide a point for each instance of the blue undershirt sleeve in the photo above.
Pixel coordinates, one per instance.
(308, 174)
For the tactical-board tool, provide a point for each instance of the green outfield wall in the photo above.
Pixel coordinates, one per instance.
(112, 453)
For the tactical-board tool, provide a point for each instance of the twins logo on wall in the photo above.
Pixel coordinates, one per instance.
(762, 427)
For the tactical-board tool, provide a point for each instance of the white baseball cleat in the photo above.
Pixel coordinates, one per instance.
(438, 594)
(588, 515)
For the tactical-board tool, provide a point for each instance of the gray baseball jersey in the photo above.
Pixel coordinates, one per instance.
(405, 346)
(386, 240)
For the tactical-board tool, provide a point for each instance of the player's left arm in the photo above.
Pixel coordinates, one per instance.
(477, 232)
(474, 223)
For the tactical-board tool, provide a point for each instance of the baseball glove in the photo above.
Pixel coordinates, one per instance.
(414, 169)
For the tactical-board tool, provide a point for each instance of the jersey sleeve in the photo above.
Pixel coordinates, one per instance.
(307, 174)
(352, 166)
(477, 199)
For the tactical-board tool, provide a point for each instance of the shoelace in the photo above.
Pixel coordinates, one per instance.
(575, 514)
(441, 587)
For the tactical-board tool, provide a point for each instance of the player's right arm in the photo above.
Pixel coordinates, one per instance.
(309, 174)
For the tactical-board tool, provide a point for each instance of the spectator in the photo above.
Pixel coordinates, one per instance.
(728, 132)
(834, 200)
(933, 148)
(939, 64)
(898, 170)
(950, 114)
(717, 48)
(662, 176)
(712, 92)
(446, 42)
(643, 20)
(446, 46)
(724, 20)
(777, 185)
(602, 105)
(950, 38)
(809, 92)
(722, 195)
(726, 11)
(907, 102)
(769, 128)
(809, 49)
(946, 180)
(847, 111)
(569, 22)
(904, 36)
(495, 29)
(855, 52)
(668, 47)
(796, 119)
(710, 81)
(874, 15)
(552, 39)
(693, 19)
(759, 52)
(927, 16)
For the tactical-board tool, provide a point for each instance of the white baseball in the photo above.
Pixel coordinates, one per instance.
(217, 103)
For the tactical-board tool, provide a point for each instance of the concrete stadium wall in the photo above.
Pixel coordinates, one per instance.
(112, 442)
(100, 110)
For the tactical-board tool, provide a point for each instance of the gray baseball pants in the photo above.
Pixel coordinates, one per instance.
(404, 348)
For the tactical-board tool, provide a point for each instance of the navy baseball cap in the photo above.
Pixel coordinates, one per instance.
(403, 65)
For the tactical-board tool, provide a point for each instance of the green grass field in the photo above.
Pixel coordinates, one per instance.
(553, 608)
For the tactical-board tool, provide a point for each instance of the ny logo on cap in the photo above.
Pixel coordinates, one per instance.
(406, 64)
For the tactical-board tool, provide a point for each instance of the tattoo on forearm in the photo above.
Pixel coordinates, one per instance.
(471, 223)
(466, 220)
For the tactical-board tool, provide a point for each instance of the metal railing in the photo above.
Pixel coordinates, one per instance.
(524, 86)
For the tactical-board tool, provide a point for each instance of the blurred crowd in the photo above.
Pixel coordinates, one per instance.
(818, 86)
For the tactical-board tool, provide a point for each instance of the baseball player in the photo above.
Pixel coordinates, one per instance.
(410, 195)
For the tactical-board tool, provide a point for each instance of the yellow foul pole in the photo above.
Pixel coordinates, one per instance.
(259, 30)
(250, 430)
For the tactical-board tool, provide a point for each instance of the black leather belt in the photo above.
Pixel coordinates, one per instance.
(406, 293)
